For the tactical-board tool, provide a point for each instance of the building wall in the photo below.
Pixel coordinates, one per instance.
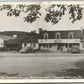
(81, 46)
(1, 43)
(25, 45)
(48, 47)
(32, 45)
(59, 40)
(62, 47)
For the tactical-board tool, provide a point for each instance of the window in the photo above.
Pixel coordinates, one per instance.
(1, 43)
(50, 45)
(58, 35)
(83, 44)
(71, 35)
(34, 45)
(25, 44)
(45, 35)
(46, 45)
(43, 45)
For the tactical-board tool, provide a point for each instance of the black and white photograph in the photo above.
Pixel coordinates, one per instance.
(42, 40)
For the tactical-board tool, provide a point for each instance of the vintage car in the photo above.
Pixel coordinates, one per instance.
(28, 50)
(25, 50)
(75, 49)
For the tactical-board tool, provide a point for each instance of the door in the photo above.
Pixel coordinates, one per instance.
(59, 47)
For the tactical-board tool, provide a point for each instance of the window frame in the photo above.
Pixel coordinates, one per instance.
(45, 35)
(71, 35)
(58, 34)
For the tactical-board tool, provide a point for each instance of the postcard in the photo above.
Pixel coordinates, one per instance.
(42, 40)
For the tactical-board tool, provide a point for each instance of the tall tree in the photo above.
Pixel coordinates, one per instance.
(32, 11)
(56, 11)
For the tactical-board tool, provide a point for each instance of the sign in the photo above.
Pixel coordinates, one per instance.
(58, 41)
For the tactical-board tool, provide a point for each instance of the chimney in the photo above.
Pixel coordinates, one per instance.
(40, 30)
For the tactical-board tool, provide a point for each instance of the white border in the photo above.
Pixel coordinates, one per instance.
(42, 2)
(41, 80)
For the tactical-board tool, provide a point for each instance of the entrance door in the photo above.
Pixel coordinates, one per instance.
(59, 47)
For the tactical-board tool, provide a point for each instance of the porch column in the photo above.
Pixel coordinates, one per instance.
(68, 47)
(48, 46)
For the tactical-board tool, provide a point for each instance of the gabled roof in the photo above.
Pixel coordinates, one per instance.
(64, 33)
(14, 41)
(27, 39)
(30, 39)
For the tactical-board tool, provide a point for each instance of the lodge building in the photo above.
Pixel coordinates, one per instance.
(60, 40)
(63, 40)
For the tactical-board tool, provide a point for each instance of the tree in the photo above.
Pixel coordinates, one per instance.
(76, 12)
(55, 12)
(32, 11)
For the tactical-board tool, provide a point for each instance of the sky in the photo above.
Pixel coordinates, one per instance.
(18, 24)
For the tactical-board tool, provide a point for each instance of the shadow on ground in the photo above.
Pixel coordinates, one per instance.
(73, 72)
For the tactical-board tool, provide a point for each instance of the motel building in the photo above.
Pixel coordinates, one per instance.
(60, 40)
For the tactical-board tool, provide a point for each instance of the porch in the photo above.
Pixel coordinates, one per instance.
(61, 47)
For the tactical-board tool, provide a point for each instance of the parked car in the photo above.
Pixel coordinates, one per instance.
(25, 50)
(75, 49)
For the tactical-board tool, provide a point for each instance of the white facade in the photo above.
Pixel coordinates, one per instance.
(1, 43)
(58, 44)
(59, 40)
(32, 45)
(81, 46)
